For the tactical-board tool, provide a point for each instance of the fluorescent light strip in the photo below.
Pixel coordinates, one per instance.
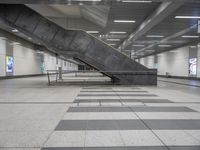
(136, 1)
(86, 0)
(124, 21)
(187, 17)
(117, 32)
(164, 45)
(112, 44)
(113, 39)
(149, 50)
(155, 36)
(138, 45)
(189, 36)
(93, 32)
(15, 30)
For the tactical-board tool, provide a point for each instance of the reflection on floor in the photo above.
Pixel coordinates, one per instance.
(99, 117)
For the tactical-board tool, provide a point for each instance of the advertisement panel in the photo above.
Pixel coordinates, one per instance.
(193, 66)
(9, 64)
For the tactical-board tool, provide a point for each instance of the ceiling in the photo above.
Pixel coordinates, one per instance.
(155, 28)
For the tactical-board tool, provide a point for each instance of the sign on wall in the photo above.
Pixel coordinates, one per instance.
(193, 66)
(9, 64)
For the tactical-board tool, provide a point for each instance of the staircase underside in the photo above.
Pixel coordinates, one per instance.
(83, 46)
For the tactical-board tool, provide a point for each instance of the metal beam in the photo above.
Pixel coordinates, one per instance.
(195, 42)
(182, 32)
(74, 2)
(164, 10)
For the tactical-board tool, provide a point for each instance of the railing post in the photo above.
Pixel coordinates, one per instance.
(49, 82)
(60, 73)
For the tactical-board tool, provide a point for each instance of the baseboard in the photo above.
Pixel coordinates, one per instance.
(21, 76)
(180, 77)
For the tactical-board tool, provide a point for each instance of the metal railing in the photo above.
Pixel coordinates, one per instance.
(60, 74)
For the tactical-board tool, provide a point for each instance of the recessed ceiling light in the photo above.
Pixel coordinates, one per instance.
(87, 0)
(155, 36)
(137, 45)
(15, 30)
(187, 17)
(124, 21)
(113, 39)
(112, 44)
(193, 46)
(164, 45)
(190, 36)
(93, 32)
(118, 32)
(15, 43)
(136, 1)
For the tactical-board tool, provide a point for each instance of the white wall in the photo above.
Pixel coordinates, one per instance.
(150, 62)
(26, 61)
(174, 62)
(198, 62)
(2, 57)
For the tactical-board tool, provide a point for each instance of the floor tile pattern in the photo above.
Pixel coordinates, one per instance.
(125, 118)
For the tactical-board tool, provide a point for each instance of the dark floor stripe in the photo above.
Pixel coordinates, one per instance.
(123, 100)
(97, 88)
(173, 124)
(115, 91)
(133, 124)
(36, 103)
(197, 147)
(100, 125)
(99, 109)
(162, 109)
(116, 95)
(130, 109)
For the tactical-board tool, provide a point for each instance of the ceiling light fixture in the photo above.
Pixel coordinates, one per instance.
(92, 32)
(187, 17)
(164, 45)
(190, 36)
(113, 39)
(136, 1)
(118, 32)
(87, 0)
(15, 30)
(113, 44)
(155, 36)
(124, 21)
(138, 45)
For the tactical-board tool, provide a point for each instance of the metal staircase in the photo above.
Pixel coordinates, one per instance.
(83, 46)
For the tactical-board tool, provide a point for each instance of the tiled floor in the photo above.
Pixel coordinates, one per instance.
(35, 116)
